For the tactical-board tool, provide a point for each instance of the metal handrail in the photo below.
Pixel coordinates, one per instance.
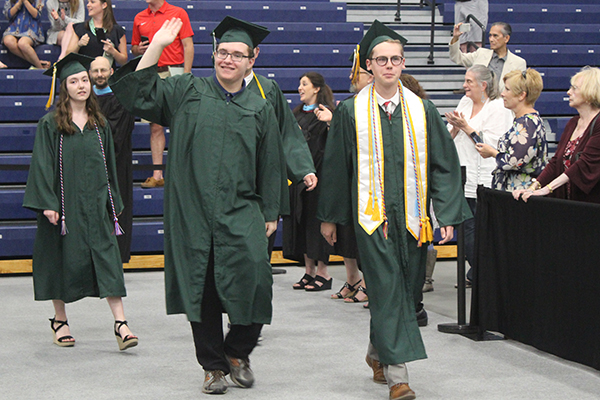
(431, 3)
(472, 17)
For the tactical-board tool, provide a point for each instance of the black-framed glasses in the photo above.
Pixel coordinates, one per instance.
(383, 60)
(236, 57)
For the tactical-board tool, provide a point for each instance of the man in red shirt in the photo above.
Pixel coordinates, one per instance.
(176, 59)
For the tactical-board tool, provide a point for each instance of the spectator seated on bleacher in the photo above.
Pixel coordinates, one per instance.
(100, 35)
(497, 58)
(62, 15)
(24, 30)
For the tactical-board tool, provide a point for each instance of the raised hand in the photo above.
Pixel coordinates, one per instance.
(167, 33)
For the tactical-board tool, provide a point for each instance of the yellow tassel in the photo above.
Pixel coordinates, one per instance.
(376, 216)
(51, 98)
(426, 232)
(369, 210)
(356, 65)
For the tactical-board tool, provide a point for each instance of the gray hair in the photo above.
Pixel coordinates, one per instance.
(504, 27)
(484, 74)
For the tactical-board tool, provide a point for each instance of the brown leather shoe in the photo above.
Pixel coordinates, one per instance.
(377, 368)
(151, 182)
(401, 391)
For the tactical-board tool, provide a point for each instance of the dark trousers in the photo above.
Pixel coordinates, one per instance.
(469, 226)
(211, 346)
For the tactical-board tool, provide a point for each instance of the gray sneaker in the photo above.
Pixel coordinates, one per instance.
(214, 382)
(240, 372)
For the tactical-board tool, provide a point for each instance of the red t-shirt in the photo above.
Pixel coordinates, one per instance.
(147, 23)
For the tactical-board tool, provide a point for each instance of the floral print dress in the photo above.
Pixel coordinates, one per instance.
(23, 24)
(522, 153)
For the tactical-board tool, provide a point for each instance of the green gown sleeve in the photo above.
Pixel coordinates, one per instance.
(297, 155)
(335, 182)
(145, 94)
(40, 193)
(445, 184)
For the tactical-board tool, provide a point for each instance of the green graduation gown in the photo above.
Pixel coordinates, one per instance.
(223, 181)
(86, 261)
(393, 268)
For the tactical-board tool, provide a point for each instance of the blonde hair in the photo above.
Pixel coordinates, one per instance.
(529, 81)
(590, 84)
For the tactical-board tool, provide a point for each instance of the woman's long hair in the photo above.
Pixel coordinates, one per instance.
(64, 114)
(108, 18)
(324, 95)
(74, 6)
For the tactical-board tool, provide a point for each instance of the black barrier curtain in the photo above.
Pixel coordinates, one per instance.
(538, 277)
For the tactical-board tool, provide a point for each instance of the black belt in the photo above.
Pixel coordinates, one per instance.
(165, 68)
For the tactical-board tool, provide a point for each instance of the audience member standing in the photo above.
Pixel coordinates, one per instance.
(121, 124)
(479, 116)
(521, 153)
(390, 211)
(574, 171)
(498, 58)
(100, 35)
(302, 240)
(63, 14)
(176, 59)
(24, 30)
(72, 185)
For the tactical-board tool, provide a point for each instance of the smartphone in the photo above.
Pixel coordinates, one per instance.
(100, 34)
(476, 137)
(465, 27)
(144, 39)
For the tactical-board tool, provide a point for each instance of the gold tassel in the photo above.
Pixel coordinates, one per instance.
(369, 210)
(376, 215)
(426, 232)
(385, 229)
(356, 65)
(51, 98)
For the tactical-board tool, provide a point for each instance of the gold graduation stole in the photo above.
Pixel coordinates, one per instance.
(371, 168)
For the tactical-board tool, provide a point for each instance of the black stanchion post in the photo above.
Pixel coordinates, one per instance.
(461, 326)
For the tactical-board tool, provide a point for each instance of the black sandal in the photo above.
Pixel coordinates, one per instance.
(127, 341)
(62, 341)
(351, 288)
(354, 299)
(325, 284)
(305, 280)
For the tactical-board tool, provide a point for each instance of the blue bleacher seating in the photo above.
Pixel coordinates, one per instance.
(547, 13)
(282, 11)
(283, 32)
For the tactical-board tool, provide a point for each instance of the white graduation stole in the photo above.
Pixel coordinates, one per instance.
(370, 156)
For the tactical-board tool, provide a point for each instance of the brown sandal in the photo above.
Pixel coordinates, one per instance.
(351, 291)
(354, 299)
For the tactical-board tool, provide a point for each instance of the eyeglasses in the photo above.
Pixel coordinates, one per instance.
(383, 60)
(524, 75)
(236, 57)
